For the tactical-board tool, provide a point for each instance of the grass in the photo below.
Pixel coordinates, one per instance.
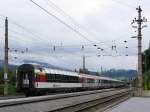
(11, 90)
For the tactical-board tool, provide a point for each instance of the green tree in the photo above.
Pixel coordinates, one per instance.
(146, 68)
(12, 82)
(1, 76)
(146, 80)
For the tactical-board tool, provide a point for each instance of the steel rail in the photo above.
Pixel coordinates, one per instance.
(85, 106)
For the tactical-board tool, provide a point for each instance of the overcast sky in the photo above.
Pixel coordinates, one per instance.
(105, 22)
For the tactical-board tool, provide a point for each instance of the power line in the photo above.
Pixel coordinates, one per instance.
(64, 14)
(61, 21)
(32, 34)
(46, 41)
(68, 16)
(29, 30)
(21, 27)
(19, 38)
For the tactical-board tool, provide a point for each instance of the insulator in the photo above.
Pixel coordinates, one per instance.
(82, 47)
(22, 51)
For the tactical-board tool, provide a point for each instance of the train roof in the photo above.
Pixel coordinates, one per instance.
(56, 71)
(99, 77)
(63, 72)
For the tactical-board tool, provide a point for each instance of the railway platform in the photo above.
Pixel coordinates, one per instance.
(134, 104)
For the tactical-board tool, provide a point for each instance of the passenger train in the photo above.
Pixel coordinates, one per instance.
(34, 79)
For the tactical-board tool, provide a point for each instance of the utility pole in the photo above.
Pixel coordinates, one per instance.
(6, 59)
(84, 70)
(145, 77)
(139, 22)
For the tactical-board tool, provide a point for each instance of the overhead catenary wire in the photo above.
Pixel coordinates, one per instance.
(45, 47)
(29, 31)
(17, 37)
(64, 23)
(32, 37)
(26, 33)
(23, 28)
(52, 4)
(32, 34)
(67, 16)
(64, 46)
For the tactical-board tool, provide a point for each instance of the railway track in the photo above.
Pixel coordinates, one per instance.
(99, 104)
(70, 102)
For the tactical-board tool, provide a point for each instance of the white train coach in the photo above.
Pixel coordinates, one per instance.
(35, 79)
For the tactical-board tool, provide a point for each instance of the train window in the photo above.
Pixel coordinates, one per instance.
(56, 77)
(90, 80)
(61, 78)
(105, 81)
(75, 79)
(64, 78)
(47, 77)
(50, 77)
(53, 77)
(72, 79)
(99, 81)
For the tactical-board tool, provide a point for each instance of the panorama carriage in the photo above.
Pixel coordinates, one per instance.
(34, 79)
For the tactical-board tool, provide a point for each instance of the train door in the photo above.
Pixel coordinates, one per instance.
(25, 80)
